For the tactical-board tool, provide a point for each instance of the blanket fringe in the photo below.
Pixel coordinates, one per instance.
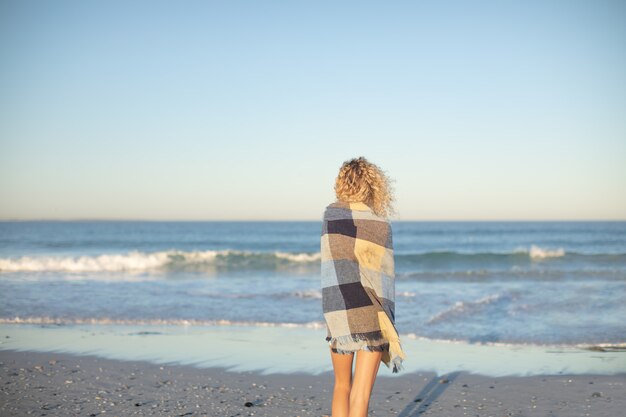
(376, 336)
(385, 340)
(397, 365)
(393, 355)
(376, 342)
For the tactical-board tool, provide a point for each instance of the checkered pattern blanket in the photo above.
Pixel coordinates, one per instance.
(358, 282)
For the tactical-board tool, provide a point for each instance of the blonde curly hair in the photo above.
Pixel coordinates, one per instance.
(361, 180)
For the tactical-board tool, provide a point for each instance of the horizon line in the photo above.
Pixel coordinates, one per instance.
(96, 219)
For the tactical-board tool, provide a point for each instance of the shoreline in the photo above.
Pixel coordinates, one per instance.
(51, 383)
(295, 349)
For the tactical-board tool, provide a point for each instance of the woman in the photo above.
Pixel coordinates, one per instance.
(358, 287)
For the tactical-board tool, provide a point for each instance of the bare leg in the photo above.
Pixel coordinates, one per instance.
(366, 369)
(342, 364)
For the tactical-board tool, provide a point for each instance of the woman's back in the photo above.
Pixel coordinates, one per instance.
(358, 288)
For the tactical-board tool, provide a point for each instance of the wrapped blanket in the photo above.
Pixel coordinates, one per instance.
(358, 282)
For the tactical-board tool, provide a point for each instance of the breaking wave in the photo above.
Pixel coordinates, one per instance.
(532, 253)
(137, 261)
(142, 261)
(520, 255)
(535, 252)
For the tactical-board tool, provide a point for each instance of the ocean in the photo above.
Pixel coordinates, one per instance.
(537, 283)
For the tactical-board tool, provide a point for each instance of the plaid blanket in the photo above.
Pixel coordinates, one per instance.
(358, 282)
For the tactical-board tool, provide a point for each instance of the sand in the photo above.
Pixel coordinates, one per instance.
(57, 384)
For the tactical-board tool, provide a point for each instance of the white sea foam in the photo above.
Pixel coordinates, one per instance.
(137, 261)
(45, 320)
(535, 252)
(132, 261)
(143, 261)
(461, 308)
(611, 347)
(299, 257)
(315, 325)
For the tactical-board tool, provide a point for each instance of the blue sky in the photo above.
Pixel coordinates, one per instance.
(202, 110)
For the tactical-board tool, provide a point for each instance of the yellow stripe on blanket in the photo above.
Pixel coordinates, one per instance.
(373, 256)
(389, 333)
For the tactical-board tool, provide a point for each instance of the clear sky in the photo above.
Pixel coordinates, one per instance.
(201, 110)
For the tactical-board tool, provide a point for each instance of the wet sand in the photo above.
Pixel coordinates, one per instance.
(58, 384)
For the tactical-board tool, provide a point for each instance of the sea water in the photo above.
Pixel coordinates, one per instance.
(498, 283)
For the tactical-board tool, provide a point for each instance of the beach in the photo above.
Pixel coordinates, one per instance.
(119, 370)
(57, 384)
(225, 319)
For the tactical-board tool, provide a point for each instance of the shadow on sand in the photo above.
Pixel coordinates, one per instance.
(435, 387)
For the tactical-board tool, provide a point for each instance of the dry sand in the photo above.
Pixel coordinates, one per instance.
(55, 384)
